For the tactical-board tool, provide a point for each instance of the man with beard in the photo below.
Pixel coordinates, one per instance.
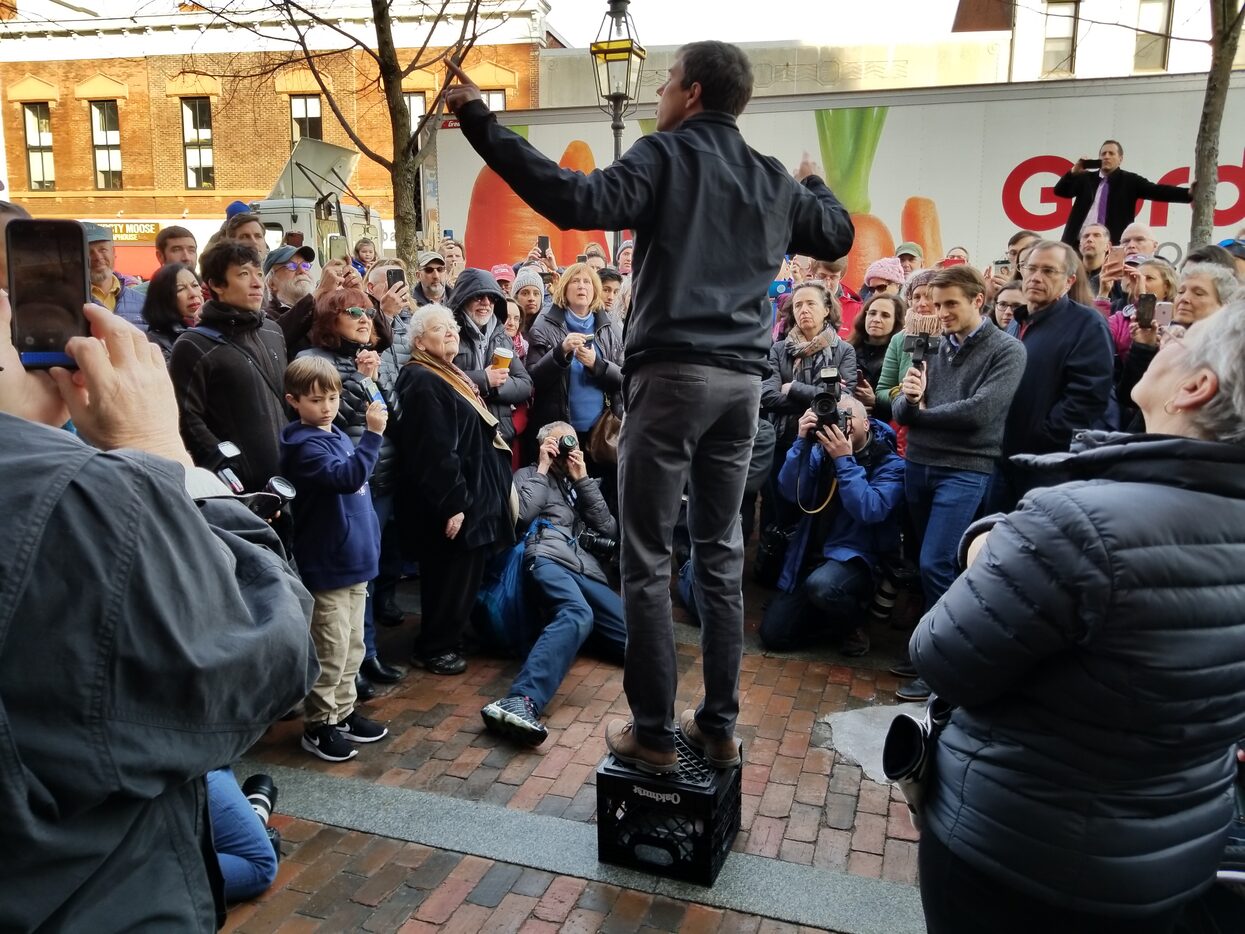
(431, 287)
(287, 275)
(228, 370)
(107, 289)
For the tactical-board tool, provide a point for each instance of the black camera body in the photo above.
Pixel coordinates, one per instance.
(826, 401)
(566, 444)
(599, 546)
(920, 346)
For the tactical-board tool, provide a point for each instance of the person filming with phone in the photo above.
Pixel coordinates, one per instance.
(1103, 193)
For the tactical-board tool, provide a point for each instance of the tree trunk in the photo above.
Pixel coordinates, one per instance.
(1226, 20)
(405, 176)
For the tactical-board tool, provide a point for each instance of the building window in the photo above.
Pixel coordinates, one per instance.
(1059, 46)
(305, 117)
(38, 118)
(106, 140)
(416, 106)
(197, 142)
(1150, 53)
(496, 100)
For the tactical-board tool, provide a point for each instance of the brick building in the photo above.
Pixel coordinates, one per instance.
(169, 122)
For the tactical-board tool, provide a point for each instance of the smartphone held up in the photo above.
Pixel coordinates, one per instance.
(49, 282)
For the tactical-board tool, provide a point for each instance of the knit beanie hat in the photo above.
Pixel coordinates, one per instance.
(888, 268)
(919, 278)
(527, 276)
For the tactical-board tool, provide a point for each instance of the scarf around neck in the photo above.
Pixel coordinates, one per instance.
(801, 349)
(461, 384)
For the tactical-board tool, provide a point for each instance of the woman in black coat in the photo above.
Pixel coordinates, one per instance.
(1095, 655)
(343, 332)
(455, 497)
(881, 318)
(174, 298)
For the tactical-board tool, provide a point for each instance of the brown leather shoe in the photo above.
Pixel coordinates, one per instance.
(621, 740)
(720, 753)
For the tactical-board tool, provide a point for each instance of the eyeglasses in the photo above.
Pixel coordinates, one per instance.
(1009, 306)
(355, 312)
(297, 267)
(1046, 272)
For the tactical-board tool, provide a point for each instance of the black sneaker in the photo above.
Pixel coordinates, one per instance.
(515, 717)
(324, 741)
(904, 669)
(915, 690)
(451, 663)
(856, 643)
(274, 837)
(359, 729)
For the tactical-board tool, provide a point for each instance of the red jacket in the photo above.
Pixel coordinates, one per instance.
(849, 303)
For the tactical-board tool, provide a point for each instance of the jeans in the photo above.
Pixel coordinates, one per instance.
(247, 861)
(831, 600)
(959, 899)
(384, 511)
(943, 503)
(690, 425)
(579, 610)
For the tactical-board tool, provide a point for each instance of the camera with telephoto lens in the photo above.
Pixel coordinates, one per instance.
(261, 794)
(826, 401)
(566, 444)
(598, 545)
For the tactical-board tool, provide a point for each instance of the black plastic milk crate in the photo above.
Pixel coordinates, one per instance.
(680, 825)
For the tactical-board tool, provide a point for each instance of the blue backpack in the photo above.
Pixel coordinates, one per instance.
(500, 616)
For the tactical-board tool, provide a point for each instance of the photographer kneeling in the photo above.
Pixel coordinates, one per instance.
(847, 482)
(562, 563)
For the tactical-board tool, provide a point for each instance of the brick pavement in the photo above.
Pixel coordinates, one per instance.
(801, 802)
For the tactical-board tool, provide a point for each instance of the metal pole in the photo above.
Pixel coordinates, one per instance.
(617, 102)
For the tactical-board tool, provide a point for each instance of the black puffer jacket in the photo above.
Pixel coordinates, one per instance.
(476, 347)
(1096, 652)
(551, 368)
(802, 374)
(571, 506)
(352, 415)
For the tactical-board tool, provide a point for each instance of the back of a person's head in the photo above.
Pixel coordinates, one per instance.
(9, 209)
(1210, 253)
(723, 72)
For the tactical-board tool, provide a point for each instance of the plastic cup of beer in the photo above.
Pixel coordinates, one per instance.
(501, 358)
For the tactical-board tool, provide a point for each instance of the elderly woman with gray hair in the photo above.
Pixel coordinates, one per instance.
(454, 495)
(1202, 290)
(1094, 654)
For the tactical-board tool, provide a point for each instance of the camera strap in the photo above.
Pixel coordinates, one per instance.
(834, 485)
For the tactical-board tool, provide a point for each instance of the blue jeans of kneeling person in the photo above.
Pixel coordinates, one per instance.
(580, 611)
(831, 601)
(247, 861)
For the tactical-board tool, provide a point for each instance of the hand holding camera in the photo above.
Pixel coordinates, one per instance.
(575, 466)
(913, 386)
(834, 442)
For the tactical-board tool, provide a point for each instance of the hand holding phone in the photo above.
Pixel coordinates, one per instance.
(1163, 314)
(49, 282)
(394, 275)
(542, 244)
(1144, 315)
(1092, 164)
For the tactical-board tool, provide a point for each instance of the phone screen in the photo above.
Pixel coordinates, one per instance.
(581, 258)
(1145, 310)
(1092, 163)
(447, 234)
(48, 285)
(1163, 314)
(394, 275)
(1001, 266)
(542, 244)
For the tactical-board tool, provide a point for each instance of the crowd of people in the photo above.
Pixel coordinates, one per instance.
(433, 416)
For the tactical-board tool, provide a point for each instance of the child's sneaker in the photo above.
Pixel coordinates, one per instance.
(359, 729)
(326, 742)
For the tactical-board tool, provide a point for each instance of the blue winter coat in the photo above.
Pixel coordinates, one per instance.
(336, 534)
(861, 514)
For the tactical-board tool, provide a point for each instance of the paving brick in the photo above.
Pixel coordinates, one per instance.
(840, 811)
(509, 916)
(845, 779)
(373, 857)
(467, 761)
(381, 885)
(776, 802)
(874, 798)
(328, 898)
(495, 885)
(785, 770)
(299, 925)
(536, 926)
(899, 861)
(665, 914)
(765, 836)
(583, 806)
(735, 923)
(869, 833)
(562, 895)
(819, 761)
(519, 768)
(628, 912)
(466, 919)
(864, 864)
(832, 849)
(532, 882)
(433, 870)
(595, 896)
(317, 874)
(349, 916)
(530, 793)
(899, 823)
(811, 789)
(552, 805)
(415, 926)
(794, 851)
(321, 843)
(770, 926)
(413, 855)
(583, 921)
(804, 823)
(570, 779)
(393, 912)
(700, 919)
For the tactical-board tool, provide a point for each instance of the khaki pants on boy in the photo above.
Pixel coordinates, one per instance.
(337, 631)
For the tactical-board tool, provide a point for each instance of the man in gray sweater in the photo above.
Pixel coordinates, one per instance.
(955, 406)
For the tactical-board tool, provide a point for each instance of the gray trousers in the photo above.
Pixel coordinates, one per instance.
(684, 423)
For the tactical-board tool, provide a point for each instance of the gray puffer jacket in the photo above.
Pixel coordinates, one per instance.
(397, 354)
(1095, 652)
(476, 346)
(352, 415)
(571, 507)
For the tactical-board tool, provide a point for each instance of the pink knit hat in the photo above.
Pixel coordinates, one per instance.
(888, 268)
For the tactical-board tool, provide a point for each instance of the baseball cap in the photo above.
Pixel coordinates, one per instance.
(96, 233)
(1235, 247)
(502, 273)
(283, 254)
(236, 207)
(427, 256)
(910, 249)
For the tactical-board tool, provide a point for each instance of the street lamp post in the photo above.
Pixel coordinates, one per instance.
(619, 60)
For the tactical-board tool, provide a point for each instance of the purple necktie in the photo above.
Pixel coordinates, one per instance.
(1102, 199)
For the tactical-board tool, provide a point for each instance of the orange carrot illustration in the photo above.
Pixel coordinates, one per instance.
(919, 224)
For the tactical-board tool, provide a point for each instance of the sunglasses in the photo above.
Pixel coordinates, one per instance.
(356, 312)
(297, 267)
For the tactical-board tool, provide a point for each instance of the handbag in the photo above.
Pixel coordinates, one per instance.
(500, 613)
(771, 554)
(603, 436)
(908, 753)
